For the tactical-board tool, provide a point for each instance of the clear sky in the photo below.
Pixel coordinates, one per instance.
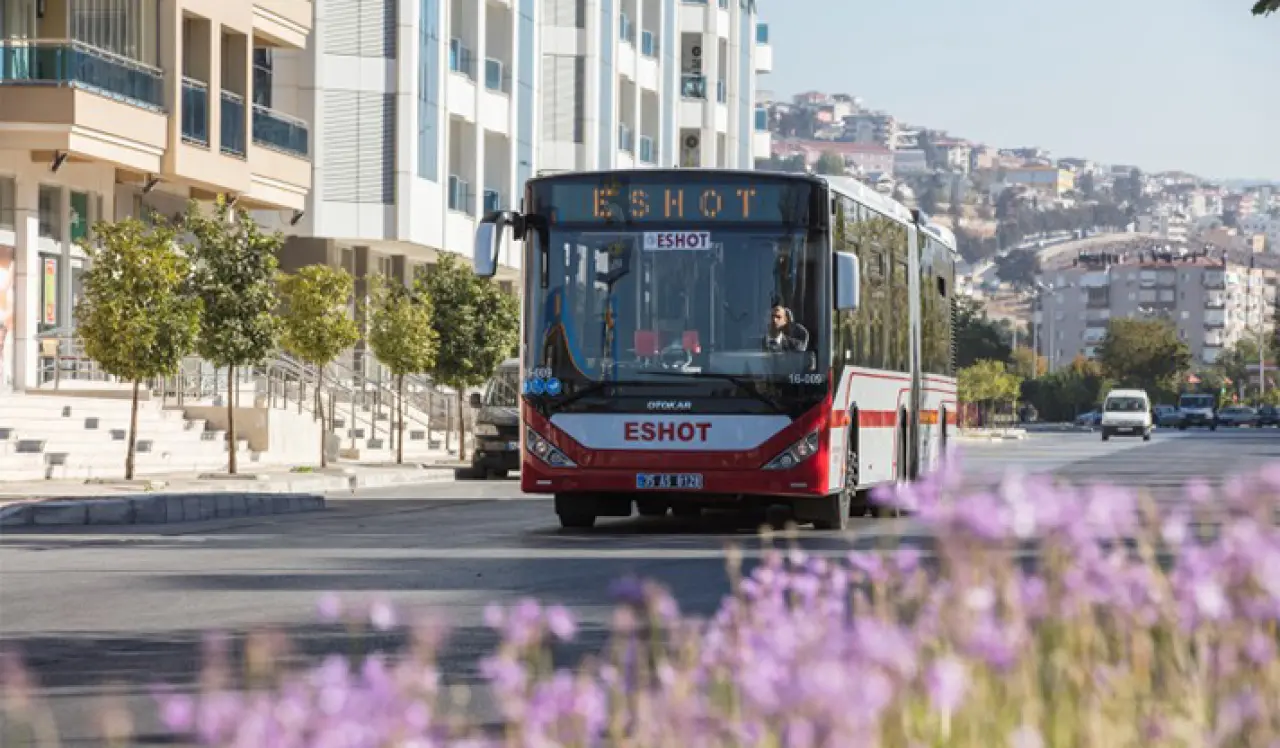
(1163, 84)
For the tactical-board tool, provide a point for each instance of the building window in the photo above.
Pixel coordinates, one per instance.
(8, 190)
(50, 212)
(262, 69)
(50, 285)
(429, 91)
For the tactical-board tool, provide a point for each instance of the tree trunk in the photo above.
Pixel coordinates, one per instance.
(462, 428)
(133, 434)
(400, 420)
(231, 421)
(324, 458)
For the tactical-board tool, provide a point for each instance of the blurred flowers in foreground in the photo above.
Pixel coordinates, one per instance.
(1136, 627)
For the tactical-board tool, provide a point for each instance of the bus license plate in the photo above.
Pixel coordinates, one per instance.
(669, 481)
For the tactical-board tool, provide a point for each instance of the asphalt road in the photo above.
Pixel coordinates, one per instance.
(113, 612)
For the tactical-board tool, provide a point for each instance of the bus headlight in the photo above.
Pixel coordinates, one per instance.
(543, 450)
(795, 454)
(486, 429)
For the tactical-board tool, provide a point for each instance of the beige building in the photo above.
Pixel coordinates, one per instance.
(112, 108)
(1211, 303)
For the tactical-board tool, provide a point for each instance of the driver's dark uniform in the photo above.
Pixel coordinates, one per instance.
(791, 338)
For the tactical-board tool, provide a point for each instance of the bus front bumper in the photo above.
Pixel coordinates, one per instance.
(803, 481)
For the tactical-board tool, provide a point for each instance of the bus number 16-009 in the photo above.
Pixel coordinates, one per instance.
(808, 378)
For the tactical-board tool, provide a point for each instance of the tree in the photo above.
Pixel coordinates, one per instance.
(317, 324)
(235, 273)
(988, 384)
(1019, 267)
(1144, 353)
(1027, 364)
(1266, 7)
(1088, 186)
(136, 315)
(478, 326)
(830, 163)
(977, 337)
(402, 337)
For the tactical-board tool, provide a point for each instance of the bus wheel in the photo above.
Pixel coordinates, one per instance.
(576, 512)
(833, 514)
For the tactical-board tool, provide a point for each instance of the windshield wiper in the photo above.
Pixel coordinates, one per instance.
(741, 383)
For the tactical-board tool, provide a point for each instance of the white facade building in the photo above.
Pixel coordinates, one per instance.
(425, 118)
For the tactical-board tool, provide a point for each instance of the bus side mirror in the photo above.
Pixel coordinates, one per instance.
(848, 281)
(489, 240)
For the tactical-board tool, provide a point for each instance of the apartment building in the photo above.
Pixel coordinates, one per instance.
(1212, 303)
(1048, 180)
(1165, 224)
(873, 128)
(115, 108)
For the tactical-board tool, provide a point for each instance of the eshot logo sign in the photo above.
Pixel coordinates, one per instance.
(664, 241)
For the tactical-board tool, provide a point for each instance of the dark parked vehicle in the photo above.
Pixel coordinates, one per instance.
(1269, 415)
(1238, 415)
(498, 423)
(1166, 416)
(1090, 419)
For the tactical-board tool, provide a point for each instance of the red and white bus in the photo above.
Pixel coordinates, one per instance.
(654, 376)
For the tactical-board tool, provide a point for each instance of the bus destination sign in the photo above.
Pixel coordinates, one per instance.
(697, 201)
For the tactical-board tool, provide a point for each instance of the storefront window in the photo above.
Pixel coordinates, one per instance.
(79, 216)
(51, 213)
(8, 189)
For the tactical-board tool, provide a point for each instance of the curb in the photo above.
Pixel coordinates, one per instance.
(222, 497)
(157, 509)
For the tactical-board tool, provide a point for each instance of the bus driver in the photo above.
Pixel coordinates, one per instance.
(785, 334)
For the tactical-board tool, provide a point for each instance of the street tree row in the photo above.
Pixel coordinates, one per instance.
(209, 283)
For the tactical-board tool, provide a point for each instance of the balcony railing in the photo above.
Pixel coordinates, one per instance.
(459, 194)
(280, 132)
(195, 111)
(646, 150)
(625, 141)
(492, 201)
(78, 65)
(461, 59)
(693, 86)
(648, 44)
(495, 78)
(233, 140)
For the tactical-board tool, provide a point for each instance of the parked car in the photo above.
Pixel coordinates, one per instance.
(1090, 419)
(1166, 416)
(1238, 415)
(1269, 415)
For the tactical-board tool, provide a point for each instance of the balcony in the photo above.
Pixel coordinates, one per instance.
(461, 59)
(195, 112)
(233, 140)
(693, 86)
(280, 132)
(459, 194)
(648, 44)
(762, 119)
(647, 155)
(494, 76)
(626, 142)
(626, 29)
(722, 91)
(492, 201)
(65, 64)
(1215, 279)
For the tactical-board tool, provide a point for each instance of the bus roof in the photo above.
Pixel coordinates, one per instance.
(847, 186)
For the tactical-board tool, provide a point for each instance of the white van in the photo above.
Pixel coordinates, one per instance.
(1126, 412)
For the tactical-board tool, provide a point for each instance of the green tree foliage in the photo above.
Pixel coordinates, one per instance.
(1019, 267)
(1027, 364)
(317, 324)
(1239, 362)
(402, 337)
(136, 315)
(478, 326)
(235, 273)
(1266, 7)
(1144, 353)
(1067, 392)
(988, 384)
(830, 163)
(977, 336)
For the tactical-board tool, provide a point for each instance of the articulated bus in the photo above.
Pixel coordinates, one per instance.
(707, 338)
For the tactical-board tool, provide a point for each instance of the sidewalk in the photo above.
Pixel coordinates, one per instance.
(189, 497)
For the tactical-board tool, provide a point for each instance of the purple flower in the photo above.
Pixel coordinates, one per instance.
(946, 681)
(330, 607)
(382, 615)
(560, 623)
(178, 713)
(628, 591)
(1026, 736)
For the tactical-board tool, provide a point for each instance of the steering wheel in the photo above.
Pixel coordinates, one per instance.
(676, 357)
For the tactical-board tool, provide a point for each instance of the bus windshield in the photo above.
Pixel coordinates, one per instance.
(642, 296)
(1196, 401)
(504, 388)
